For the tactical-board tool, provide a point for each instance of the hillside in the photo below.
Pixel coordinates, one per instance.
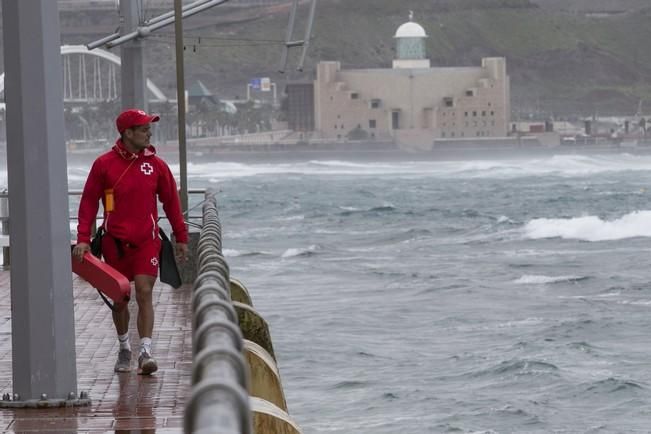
(560, 61)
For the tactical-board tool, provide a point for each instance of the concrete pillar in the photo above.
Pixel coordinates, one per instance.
(133, 81)
(42, 315)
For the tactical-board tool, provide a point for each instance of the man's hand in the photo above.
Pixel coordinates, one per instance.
(79, 250)
(181, 252)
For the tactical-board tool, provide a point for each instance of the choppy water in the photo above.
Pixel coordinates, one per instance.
(462, 296)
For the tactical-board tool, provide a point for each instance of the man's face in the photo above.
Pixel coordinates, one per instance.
(139, 136)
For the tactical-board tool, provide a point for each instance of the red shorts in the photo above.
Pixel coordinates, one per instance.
(142, 259)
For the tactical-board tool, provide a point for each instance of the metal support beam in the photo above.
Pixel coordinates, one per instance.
(308, 35)
(133, 82)
(172, 13)
(142, 31)
(103, 41)
(288, 36)
(42, 315)
(305, 42)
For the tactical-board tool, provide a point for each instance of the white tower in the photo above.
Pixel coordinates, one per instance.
(410, 45)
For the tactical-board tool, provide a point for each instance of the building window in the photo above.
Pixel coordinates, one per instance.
(335, 126)
(443, 113)
(371, 123)
(465, 114)
(448, 101)
(470, 92)
(483, 113)
(375, 103)
(395, 120)
(474, 113)
(354, 95)
(452, 134)
(442, 133)
(492, 113)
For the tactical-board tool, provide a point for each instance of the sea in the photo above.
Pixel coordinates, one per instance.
(413, 294)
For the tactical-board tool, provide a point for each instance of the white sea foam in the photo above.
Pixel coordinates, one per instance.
(529, 279)
(290, 253)
(558, 165)
(591, 228)
(292, 218)
(636, 302)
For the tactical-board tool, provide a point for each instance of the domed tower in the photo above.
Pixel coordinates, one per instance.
(410, 45)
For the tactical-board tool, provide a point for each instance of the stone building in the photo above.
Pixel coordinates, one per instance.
(413, 103)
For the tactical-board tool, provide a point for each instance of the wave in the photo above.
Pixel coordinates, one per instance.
(504, 219)
(583, 347)
(558, 165)
(232, 253)
(519, 367)
(350, 384)
(405, 236)
(382, 209)
(529, 279)
(612, 385)
(294, 252)
(591, 228)
(292, 218)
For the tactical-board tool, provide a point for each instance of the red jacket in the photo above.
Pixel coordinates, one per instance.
(136, 179)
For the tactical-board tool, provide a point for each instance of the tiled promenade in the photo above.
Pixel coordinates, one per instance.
(124, 403)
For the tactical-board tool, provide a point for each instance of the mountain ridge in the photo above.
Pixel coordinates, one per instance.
(563, 61)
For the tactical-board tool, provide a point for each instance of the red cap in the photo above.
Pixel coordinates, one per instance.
(134, 118)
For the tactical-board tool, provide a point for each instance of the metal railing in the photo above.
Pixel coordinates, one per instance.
(5, 218)
(219, 400)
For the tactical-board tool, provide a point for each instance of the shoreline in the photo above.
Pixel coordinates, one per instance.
(384, 153)
(364, 151)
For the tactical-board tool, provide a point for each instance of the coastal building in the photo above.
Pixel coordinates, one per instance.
(412, 103)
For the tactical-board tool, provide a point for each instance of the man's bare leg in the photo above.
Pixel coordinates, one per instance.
(144, 288)
(121, 320)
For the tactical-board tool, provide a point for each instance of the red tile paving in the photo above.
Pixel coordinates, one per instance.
(121, 403)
